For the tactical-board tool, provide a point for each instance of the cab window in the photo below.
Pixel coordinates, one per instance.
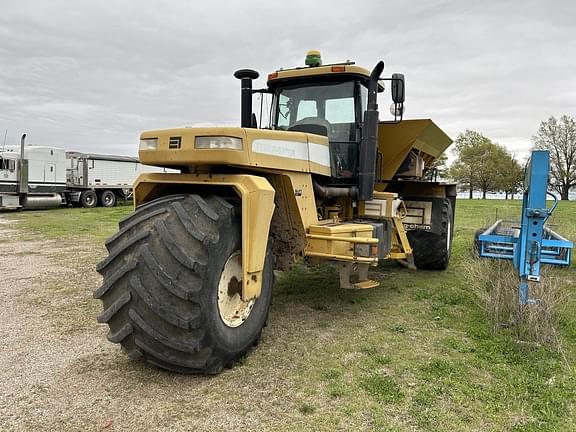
(307, 108)
(330, 105)
(7, 164)
(340, 110)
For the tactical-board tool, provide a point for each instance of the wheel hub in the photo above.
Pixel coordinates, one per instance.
(233, 310)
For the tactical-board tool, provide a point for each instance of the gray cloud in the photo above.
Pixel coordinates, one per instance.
(93, 75)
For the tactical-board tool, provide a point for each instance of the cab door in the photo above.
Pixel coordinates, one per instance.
(50, 173)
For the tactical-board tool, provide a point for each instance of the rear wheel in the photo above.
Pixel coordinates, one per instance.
(432, 251)
(172, 283)
(88, 199)
(107, 198)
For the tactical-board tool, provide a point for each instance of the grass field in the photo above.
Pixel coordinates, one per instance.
(417, 353)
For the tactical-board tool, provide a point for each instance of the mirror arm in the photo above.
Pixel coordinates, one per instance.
(397, 119)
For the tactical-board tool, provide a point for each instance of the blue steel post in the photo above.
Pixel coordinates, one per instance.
(534, 214)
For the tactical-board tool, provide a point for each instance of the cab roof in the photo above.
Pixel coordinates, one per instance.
(331, 71)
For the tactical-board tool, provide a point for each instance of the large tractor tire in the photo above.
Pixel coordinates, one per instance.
(171, 285)
(432, 251)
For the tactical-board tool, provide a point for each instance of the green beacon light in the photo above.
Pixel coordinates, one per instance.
(313, 58)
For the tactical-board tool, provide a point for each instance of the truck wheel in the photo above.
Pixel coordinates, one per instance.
(432, 251)
(107, 199)
(171, 285)
(88, 199)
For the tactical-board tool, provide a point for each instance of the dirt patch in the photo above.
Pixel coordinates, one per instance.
(59, 372)
(33, 354)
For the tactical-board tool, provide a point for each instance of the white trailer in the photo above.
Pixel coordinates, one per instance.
(95, 179)
(42, 177)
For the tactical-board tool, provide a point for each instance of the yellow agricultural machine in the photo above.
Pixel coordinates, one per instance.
(188, 280)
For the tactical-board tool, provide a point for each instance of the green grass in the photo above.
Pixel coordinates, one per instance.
(382, 388)
(418, 353)
(94, 224)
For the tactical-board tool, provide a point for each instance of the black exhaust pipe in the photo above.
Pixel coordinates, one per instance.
(246, 76)
(369, 142)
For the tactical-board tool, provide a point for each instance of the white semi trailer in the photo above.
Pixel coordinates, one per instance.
(95, 179)
(42, 177)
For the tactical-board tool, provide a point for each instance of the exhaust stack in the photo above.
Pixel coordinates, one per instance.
(246, 76)
(22, 145)
(369, 142)
(22, 169)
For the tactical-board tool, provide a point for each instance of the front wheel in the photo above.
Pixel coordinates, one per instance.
(172, 282)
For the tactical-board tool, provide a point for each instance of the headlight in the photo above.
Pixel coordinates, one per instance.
(148, 144)
(218, 142)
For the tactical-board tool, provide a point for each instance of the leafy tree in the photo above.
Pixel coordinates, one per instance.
(466, 150)
(491, 168)
(559, 136)
(479, 164)
(512, 176)
(484, 165)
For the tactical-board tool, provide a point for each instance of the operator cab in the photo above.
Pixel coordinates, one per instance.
(327, 100)
(330, 107)
(337, 101)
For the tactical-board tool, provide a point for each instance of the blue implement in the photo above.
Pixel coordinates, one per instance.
(530, 244)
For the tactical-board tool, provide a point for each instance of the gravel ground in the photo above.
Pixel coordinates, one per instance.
(58, 372)
(38, 358)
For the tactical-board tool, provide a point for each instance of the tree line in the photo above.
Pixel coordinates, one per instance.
(485, 166)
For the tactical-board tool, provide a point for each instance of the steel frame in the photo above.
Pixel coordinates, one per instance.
(532, 243)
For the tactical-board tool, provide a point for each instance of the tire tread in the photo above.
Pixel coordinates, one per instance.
(151, 284)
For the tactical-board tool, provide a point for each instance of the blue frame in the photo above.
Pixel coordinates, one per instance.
(533, 244)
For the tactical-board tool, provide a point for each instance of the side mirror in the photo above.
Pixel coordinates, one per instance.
(398, 91)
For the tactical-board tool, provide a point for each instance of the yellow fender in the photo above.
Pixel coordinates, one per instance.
(257, 197)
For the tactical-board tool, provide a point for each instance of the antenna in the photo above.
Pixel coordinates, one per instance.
(4, 144)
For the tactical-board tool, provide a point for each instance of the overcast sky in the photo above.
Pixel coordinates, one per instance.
(91, 75)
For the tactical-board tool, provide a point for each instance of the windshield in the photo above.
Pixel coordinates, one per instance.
(329, 105)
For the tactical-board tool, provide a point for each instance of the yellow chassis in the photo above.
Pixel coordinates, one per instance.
(331, 239)
(257, 208)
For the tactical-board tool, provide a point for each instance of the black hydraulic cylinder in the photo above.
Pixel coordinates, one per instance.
(246, 76)
(369, 142)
